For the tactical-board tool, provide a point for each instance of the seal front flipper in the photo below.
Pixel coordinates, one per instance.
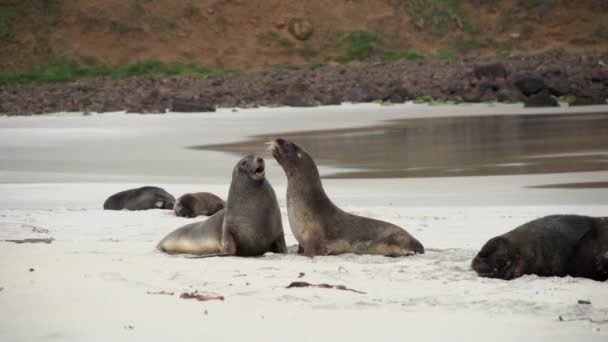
(279, 246)
(228, 243)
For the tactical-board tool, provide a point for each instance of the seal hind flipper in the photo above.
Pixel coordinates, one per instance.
(279, 245)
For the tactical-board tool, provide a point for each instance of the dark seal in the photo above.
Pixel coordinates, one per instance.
(322, 228)
(556, 245)
(198, 203)
(147, 197)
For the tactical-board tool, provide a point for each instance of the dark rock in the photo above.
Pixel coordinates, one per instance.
(541, 100)
(599, 5)
(185, 105)
(530, 85)
(490, 71)
(298, 95)
(558, 86)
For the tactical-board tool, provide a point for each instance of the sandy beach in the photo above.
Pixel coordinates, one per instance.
(102, 279)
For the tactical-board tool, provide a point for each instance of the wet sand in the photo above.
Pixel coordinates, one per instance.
(454, 146)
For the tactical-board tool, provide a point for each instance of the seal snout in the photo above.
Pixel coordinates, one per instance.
(481, 267)
(258, 166)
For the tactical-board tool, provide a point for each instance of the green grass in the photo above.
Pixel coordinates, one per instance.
(528, 4)
(9, 9)
(464, 46)
(272, 38)
(439, 16)
(359, 46)
(308, 52)
(287, 67)
(445, 55)
(72, 71)
(431, 101)
(568, 99)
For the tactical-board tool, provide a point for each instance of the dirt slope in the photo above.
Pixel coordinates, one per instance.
(252, 34)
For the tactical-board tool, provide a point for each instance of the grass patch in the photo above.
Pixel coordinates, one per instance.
(431, 101)
(9, 9)
(272, 38)
(359, 46)
(503, 53)
(505, 21)
(529, 4)
(600, 32)
(445, 55)
(568, 99)
(287, 67)
(464, 46)
(439, 16)
(72, 71)
(394, 56)
(308, 52)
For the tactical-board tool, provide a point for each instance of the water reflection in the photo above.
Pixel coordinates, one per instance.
(462, 146)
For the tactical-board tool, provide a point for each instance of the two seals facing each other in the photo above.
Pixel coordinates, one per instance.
(250, 225)
(198, 203)
(556, 245)
(144, 198)
(322, 228)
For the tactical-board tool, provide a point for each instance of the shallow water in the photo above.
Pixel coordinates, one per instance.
(454, 146)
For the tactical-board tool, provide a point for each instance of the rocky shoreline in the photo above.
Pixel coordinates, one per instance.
(536, 80)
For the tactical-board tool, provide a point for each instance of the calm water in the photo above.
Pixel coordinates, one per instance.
(463, 146)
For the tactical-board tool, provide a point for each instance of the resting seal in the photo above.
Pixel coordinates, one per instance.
(556, 245)
(196, 238)
(198, 203)
(250, 225)
(322, 228)
(591, 256)
(147, 197)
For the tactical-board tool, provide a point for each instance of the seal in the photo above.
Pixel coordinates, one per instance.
(322, 228)
(250, 225)
(147, 197)
(199, 238)
(556, 245)
(591, 256)
(198, 203)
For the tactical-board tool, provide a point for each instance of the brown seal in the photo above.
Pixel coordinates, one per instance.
(196, 238)
(556, 245)
(198, 203)
(250, 224)
(146, 197)
(322, 228)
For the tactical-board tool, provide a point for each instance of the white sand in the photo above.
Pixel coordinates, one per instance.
(92, 282)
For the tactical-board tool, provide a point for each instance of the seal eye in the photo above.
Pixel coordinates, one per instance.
(243, 163)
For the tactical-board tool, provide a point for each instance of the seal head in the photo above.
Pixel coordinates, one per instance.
(496, 259)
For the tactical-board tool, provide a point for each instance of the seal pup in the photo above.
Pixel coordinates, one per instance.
(198, 203)
(555, 245)
(199, 238)
(322, 228)
(146, 197)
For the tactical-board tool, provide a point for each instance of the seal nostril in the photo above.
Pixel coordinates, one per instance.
(260, 160)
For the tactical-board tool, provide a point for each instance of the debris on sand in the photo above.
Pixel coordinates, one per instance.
(321, 286)
(160, 293)
(199, 297)
(301, 274)
(582, 301)
(31, 240)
